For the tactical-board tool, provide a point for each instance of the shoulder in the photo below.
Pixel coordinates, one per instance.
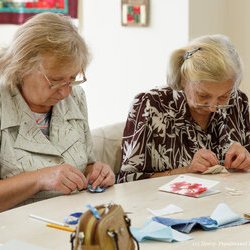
(74, 105)
(78, 93)
(239, 99)
(163, 98)
(242, 96)
(156, 92)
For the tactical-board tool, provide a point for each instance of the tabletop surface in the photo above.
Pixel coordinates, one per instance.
(135, 197)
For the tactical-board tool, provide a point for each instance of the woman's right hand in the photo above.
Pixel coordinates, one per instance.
(62, 178)
(203, 159)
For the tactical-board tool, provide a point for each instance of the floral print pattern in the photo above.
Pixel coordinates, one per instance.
(160, 133)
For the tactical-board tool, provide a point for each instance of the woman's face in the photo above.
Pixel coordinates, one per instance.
(36, 88)
(205, 97)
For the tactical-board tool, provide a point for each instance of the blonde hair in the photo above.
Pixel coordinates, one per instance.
(45, 33)
(207, 58)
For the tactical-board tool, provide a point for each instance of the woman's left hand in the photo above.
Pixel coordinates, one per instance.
(237, 157)
(99, 174)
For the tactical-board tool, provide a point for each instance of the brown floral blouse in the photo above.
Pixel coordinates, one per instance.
(160, 133)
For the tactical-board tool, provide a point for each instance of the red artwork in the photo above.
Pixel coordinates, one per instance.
(135, 12)
(189, 189)
(17, 12)
(49, 4)
(190, 186)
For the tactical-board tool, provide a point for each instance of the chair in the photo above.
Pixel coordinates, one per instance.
(107, 144)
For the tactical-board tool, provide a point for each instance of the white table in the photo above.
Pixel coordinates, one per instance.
(135, 197)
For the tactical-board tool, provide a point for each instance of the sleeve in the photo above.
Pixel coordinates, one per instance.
(222, 139)
(136, 159)
(83, 107)
(0, 134)
(235, 126)
(238, 121)
(246, 142)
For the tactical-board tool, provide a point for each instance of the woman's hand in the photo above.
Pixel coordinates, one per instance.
(100, 174)
(62, 178)
(237, 157)
(203, 159)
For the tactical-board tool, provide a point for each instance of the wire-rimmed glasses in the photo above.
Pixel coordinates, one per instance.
(216, 107)
(201, 100)
(58, 85)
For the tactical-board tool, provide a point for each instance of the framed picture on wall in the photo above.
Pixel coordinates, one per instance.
(17, 12)
(135, 12)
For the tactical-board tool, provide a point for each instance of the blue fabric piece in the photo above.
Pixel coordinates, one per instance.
(221, 217)
(226, 217)
(153, 230)
(73, 218)
(223, 214)
(186, 226)
(96, 190)
(94, 211)
(239, 222)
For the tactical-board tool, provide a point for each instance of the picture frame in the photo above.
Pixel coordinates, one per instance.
(17, 12)
(135, 13)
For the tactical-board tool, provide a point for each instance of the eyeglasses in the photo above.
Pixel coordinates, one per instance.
(58, 85)
(222, 102)
(205, 106)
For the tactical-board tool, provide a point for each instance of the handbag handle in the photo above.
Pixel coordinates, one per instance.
(72, 237)
(128, 221)
(113, 234)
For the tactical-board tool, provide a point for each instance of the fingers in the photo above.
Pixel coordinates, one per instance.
(66, 186)
(203, 159)
(237, 157)
(240, 161)
(101, 175)
(78, 178)
(63, 178)
(66, 178)
(72, 181)
(210, 157)
(230, 155)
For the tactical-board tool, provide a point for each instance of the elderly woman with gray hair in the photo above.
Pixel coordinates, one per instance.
(46, 145)
(200, 120)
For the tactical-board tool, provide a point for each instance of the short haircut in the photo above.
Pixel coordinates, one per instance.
(45, 33)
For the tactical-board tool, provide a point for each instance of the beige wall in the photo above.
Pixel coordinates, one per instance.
(230, 17)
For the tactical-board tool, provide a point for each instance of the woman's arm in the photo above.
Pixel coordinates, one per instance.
(17, 189)
(202, 160)
(62, 178)
(181, 170)
(136, 159)
(237, 155)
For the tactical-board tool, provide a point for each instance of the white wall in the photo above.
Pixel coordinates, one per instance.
(128, 60)
(6, 34)
(229, 17)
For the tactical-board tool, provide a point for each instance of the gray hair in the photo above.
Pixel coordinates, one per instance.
(43, 34)
(207, 58)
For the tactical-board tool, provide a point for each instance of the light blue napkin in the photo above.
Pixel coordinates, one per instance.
(223, 214)
(225, 217)
(153, 230)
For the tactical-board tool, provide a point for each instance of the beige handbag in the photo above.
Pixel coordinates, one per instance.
(110, 232)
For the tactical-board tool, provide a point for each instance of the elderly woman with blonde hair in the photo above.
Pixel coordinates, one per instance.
(46, 145)
(199, 121)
